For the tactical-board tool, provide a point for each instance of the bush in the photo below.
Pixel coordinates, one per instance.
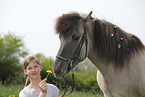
(84, 81)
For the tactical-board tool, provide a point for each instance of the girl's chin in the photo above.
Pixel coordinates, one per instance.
(34, 77)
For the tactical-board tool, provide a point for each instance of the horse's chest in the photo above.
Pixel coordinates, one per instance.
(123, 84)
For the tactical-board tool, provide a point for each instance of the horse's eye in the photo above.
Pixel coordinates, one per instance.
(75, 37)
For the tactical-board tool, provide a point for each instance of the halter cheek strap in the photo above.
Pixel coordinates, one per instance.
(76, 55)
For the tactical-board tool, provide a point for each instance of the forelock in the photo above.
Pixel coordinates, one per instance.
(67, 22)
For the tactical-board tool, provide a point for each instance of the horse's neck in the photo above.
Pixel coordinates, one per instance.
(103, 68)
(106, 68)
(96, 61)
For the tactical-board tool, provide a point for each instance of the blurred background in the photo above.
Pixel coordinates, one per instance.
(27, 27)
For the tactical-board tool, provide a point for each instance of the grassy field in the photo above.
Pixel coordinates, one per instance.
(6, 91)
(83, 94)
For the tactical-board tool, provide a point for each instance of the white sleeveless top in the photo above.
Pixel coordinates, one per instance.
(52, 91)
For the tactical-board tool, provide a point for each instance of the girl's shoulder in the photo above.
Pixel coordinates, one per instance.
(24, 91)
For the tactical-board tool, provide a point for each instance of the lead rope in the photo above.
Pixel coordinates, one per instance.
(73, 83)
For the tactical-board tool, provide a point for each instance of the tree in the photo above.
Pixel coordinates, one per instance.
(11, 50)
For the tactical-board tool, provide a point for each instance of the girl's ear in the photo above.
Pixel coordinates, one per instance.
(25, 71)
(40, 67)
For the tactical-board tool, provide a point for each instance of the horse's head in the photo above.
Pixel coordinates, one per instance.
(73, 43)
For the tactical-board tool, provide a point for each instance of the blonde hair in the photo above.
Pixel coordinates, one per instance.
(25, 65)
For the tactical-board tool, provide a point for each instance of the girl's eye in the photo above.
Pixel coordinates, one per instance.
(35, 66)
(29, 68)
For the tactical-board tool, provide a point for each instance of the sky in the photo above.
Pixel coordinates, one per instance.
(34, 20)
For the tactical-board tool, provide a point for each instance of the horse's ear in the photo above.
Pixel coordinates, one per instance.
(88, 17)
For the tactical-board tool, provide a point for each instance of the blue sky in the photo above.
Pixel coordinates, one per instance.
(35, 19)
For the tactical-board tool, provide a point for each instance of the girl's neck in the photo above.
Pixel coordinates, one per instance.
(34, 83)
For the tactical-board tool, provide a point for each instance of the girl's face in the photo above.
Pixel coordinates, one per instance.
(33, 70)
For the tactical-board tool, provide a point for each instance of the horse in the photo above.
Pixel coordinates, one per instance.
(118, 55)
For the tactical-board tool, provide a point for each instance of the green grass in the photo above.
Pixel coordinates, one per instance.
(5, 91)
(83, 94)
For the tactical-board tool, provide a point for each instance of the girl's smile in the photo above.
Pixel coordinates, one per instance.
(34, 74)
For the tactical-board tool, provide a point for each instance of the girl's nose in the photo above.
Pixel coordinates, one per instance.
(33, 69)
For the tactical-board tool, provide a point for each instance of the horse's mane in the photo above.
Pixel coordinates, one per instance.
(112, 44)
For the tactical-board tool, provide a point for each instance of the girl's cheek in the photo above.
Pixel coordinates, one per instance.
(28, 72)
(38, 69)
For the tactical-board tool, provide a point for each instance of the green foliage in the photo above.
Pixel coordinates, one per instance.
(85, 81)
(11, 50)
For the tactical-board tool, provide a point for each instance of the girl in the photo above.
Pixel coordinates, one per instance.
(34, 87)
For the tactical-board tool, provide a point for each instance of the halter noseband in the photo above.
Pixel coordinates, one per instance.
(76, 55)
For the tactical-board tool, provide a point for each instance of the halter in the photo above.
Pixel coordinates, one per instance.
(75, 56)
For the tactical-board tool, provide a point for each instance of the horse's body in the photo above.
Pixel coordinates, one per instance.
(119, 56)
(129, 82)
